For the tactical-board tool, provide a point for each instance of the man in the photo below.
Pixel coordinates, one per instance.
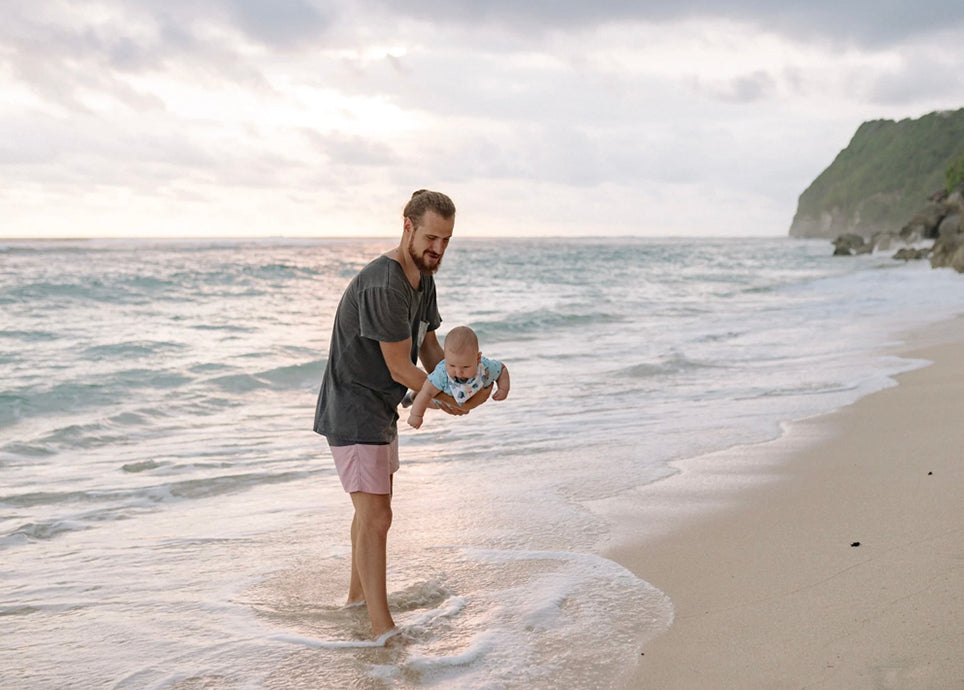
(386, 320)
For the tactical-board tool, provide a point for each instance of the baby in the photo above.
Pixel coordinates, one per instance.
(462, 374)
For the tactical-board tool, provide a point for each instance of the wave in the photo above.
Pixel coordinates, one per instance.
(294, 376)
(18, 610)
(283, 270)
(674, 363)
(817, 388)
(233, 275)
(86, 436)
(116, 430)
(107, 505)
(53, 295)
(239, 383)
(134, 348)
(27, 450)
(142, 466)
(229, 327)
(540, 321)
(71, 397)
(46, 498)
(30, 336)
(39, 531)
(210, 487)
(153, 494)
(13, 408)
(291, 377)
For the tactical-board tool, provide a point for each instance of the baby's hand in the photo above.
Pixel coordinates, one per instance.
(501, 393)
(415, 420)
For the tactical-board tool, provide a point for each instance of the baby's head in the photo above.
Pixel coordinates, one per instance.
(462, 354)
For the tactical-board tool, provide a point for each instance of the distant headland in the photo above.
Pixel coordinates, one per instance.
(896, 185)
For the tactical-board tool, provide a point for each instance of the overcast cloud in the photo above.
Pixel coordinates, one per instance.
(303, 117)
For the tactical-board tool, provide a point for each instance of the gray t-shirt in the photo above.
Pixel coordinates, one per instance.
(358, 400)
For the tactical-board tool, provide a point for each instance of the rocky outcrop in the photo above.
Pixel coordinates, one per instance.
(924, 224)
(949, 246)
(941, 220)
(850, 243)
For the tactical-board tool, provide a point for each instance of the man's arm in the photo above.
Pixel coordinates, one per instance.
(397, 360)
(431, 352)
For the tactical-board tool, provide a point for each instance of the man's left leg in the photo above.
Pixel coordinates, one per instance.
(373, 518)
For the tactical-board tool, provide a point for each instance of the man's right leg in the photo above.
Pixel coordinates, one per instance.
(373, 518)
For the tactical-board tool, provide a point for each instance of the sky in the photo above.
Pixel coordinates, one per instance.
(316, 118)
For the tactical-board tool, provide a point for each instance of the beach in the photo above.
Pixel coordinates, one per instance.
(159, 467)
(832, 557)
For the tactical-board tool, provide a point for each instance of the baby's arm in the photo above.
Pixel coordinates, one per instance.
(503, 384)
(420, 404)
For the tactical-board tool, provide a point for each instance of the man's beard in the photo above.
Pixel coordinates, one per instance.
(419, 260)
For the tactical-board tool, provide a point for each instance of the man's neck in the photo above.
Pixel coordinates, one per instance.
(408, 266)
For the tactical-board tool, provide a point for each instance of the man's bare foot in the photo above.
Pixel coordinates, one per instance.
(384, 639)
(354, 604)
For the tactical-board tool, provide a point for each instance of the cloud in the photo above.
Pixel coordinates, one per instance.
(279, 24)
(863, 22)
(746, 88)
(923, 71)
(72, 57)
(351, 151)
(229, 109)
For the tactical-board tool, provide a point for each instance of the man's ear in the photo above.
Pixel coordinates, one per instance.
(408, 225)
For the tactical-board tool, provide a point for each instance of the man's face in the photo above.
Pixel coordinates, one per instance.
(427, 242)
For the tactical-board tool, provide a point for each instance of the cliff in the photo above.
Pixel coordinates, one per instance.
(888, 170)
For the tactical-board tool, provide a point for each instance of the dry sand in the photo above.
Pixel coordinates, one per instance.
(756, 547)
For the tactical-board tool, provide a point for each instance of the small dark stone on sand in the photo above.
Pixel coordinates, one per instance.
(929, 473)
(855, 543)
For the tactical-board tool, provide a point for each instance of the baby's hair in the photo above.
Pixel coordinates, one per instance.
(462, 339)
(426, 200)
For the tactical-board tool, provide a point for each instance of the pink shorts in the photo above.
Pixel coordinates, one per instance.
(366, 468)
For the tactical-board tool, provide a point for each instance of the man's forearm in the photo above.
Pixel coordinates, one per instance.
(412, 376)
(398, 360)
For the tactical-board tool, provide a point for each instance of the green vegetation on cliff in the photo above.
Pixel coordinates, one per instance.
(955, 174)
(884, 176)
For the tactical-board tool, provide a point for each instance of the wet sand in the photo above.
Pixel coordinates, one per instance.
(830, 558)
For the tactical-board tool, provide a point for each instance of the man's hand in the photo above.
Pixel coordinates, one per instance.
(447, 404)
(467, 406)
(478, 398)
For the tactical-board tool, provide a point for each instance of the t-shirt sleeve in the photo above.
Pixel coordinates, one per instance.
(492, 370)
(439, 377)
(383, 315)
(432, 316)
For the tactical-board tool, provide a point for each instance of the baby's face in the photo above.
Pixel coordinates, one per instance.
(462, 365)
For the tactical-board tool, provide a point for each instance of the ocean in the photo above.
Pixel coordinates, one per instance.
(169, 520)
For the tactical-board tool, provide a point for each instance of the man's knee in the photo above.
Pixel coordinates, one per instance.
(373, 516)
(379, 521)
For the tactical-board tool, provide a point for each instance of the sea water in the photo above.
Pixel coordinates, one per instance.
(169, 520)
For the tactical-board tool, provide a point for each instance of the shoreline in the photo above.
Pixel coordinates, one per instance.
(756, 549)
